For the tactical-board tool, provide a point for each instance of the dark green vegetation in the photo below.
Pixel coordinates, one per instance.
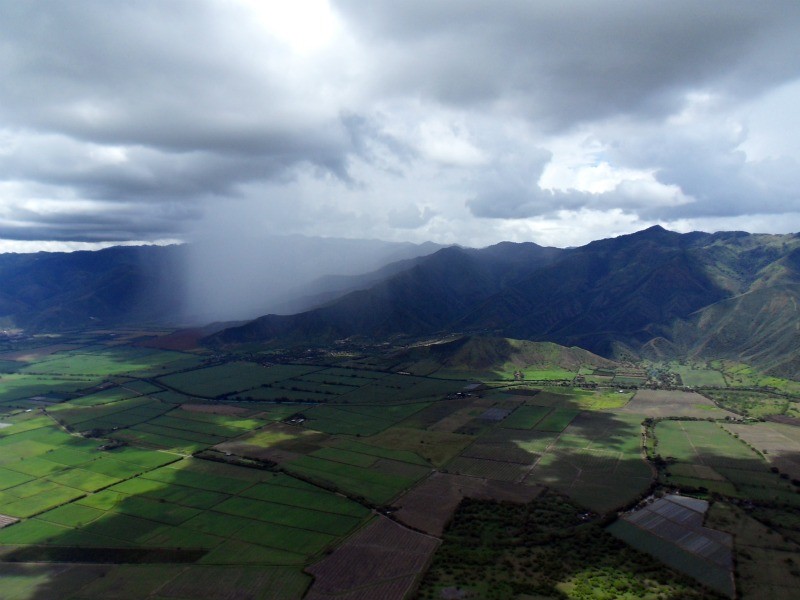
(148, 473)
(73, 291)
(654, 294)
(153, 285)
(547, 548)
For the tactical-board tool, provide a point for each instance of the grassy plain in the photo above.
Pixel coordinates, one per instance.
(749, 403)
(704, 456)
(766, 551)
(596, 460)
(669, 403)
(779, 443)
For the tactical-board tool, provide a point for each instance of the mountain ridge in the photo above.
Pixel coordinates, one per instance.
(653, 291)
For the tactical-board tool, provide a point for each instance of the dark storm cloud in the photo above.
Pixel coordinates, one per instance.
(570, 62)
(172, 75)
(117, 222)
(136, 173)
(191, 96)
(138, 118)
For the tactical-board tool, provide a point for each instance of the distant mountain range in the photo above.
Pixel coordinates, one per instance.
(655, 293)
(56, 291)
(189, 284)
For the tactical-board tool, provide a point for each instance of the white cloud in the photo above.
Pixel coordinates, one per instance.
(459, 121)
(448, 144)
(410, 217)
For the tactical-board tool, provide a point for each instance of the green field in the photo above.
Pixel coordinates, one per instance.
(18, 386)
(698, 374)
(377, 482)
(703, 456)
(95, 462)
(194, 504)
(526, 417)
(102, 361)
(596, 460)
(557, 419)
(539, 374)
(358, 420)
(231, 378)
(749, 403)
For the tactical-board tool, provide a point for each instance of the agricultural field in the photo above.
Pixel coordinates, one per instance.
(358, 420)
(705, 456)
(694, 374)
(748, 403)
(540, 374)
(58, 372)
(526, 417)
(230, 378)
(430, 505)
(188, 510)
(102, 361)
(741, 375)
(584, 399)
(671, 529)
(364, 473)
(383, 560)
(275, 442)
(15, 388)
(667, 403)
(596, 461)
(779, 443)
(602, 399)
(766, 549)
(157, 474)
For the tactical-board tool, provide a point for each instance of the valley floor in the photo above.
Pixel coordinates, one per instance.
(131, 471)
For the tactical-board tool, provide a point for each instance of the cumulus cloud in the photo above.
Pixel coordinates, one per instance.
(576, 61)
(410, 217)
(457, 120)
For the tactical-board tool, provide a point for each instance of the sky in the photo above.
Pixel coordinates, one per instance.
(455, 121)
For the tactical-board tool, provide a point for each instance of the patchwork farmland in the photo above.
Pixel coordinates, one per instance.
(159, 474)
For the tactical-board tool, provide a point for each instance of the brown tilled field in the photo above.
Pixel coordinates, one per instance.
(6, 520)
(383, 560)
(780, 443)
(430, 505)
(668, 403)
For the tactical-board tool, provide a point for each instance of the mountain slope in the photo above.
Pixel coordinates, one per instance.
(156, 285)
(427, 297)
(480, 354)
(728, 294)
(111, 287)
(624, 289)
(761, 327)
